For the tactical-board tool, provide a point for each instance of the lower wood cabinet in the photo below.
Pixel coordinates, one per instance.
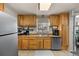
(40, 44)
(47, 43)
(25, 44)
(19, 43)
(36, 44)
(33, 43)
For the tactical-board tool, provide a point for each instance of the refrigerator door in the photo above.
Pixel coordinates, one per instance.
(8, 24)
(8, 45)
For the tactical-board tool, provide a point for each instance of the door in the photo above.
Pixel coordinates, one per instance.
(76, 35)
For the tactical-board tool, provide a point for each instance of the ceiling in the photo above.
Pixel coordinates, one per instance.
(32, 8)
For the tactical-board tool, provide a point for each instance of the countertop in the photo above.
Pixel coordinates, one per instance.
(41, 35)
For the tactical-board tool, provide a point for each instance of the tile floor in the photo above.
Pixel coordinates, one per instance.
(43, 53)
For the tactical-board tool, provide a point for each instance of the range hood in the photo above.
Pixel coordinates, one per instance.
(43, 25)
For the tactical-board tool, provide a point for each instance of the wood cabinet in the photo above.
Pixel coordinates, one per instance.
(47, 43)
(27, 20)
(41, 43)
(33, 44)
(36, 43)
(54, 20)
(19, 42)
(64, 25)
(25, 44)
(1, 6)
(62, 21)
(22, 42)
(20, 20)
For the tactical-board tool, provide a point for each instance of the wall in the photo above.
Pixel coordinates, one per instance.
(42, 19)
(70, 32)
(72, 45)
(10, 11)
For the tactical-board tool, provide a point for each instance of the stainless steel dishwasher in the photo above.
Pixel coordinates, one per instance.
(56, 43)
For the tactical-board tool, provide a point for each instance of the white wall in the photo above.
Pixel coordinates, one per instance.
(42, 20)
(10, 11)
(72, 45)
(71, 32)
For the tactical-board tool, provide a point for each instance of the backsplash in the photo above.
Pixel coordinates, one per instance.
(33, 31)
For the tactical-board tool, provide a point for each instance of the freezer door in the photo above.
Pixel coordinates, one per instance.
(9, 45)
(8, 24)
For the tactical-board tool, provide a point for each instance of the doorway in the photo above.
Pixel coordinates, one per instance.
(76, 35)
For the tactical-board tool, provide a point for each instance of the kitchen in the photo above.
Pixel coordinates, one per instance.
(41, 30)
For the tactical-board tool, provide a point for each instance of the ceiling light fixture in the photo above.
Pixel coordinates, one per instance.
(44, 6)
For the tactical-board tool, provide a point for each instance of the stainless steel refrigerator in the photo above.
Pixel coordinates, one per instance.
(8, 35)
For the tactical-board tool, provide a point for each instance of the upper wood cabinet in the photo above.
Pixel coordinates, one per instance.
(26, 20)
(20, 20)
(54, 20)
(1, 6)
(47, 43)
(64, 18)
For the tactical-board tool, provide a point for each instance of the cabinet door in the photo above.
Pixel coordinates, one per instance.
(1, 7)
(40, 44)
(26, 20)
(25, 44)
(20, 20)
(54, 20)
(64, 21)
(35, 20)
(33, 44)
(47, 43)
(19, 43)
(64, 37)
(32, 20)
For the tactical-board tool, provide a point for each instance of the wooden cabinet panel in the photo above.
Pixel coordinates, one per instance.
(25, 44)
(41, 44)
(54, 20)
(26, 20)
(30, 20)
(19, 42)
(64, 24)
(20, 20)
(47, 43)
(22, 42)
(1, 6)
(33, 44)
